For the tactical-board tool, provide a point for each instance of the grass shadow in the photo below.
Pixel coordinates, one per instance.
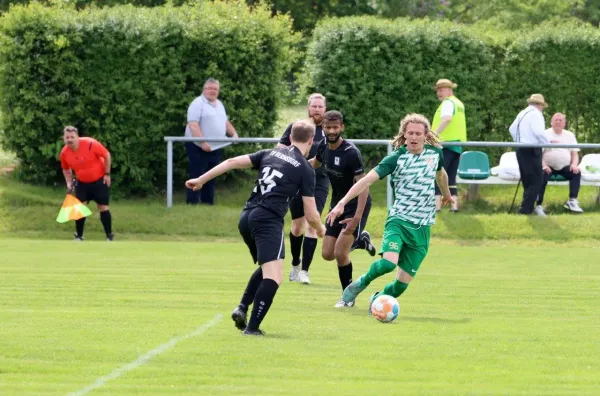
(548, 229)
(434, 320)
(277, 336)
(463, 227)
(363, 312)
(318, 286)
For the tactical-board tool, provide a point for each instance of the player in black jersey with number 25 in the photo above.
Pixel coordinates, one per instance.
(282, 173)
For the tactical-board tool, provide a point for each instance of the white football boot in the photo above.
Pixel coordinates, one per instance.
(294, 273)
(303, 277)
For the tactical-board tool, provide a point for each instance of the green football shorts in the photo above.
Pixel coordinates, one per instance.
(409, 240)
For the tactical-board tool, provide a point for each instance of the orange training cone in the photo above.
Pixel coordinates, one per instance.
(72, 209)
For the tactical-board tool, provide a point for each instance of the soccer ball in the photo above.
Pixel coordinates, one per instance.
(385, 308)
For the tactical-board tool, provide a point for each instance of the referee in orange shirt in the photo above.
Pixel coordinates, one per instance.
(91, 162)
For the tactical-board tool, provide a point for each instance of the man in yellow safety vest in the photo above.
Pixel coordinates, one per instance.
(450, 125)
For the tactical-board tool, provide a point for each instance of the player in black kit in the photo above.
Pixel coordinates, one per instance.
(344, 165)
(283, 172)
(304, 243)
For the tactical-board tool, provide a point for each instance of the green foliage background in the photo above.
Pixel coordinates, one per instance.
(376, 71)
(126, 76)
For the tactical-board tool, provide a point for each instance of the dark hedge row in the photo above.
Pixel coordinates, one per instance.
(126, 76)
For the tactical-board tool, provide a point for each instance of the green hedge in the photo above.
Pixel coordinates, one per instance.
(375, 71)
(562, 63)
(79, 4)
(126, 76)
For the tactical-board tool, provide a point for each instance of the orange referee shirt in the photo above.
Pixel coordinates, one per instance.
(87, 162)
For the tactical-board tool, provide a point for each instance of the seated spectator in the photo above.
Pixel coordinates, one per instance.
(562, 161)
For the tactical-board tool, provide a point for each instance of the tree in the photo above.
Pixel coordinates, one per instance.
(589, 12)
(306, 13)
(410, 8)
(511, 14)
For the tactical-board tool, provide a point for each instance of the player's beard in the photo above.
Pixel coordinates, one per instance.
(333, 139)
(317, 118)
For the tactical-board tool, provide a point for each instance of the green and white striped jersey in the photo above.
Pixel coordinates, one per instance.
(413, 183)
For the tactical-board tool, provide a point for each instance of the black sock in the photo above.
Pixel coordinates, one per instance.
(296, 247)
(106, 220)
(345, 274)
(308, 251)
(253, 283)
(262, 302)
(79, 226)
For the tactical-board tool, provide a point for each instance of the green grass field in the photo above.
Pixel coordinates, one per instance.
(503, 304)
(98, 317)
(30, 212)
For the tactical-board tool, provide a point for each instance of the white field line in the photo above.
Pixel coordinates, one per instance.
(146, 357)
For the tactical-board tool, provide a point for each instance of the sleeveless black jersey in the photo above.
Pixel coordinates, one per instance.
(343, 164)
(319, 137)
(283, 173)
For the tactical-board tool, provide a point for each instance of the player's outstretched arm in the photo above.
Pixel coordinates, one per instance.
(312, 215)
(239, 162)
(314, 163)
(352, 223)
(358, 188)
(441, 177)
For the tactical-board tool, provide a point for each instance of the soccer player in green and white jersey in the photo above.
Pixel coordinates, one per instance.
(413, 166)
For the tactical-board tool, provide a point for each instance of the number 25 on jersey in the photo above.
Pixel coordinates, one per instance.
(266, 182)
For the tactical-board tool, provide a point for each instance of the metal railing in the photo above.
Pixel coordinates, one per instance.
(375, 142)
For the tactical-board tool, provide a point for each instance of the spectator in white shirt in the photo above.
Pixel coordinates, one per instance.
(562, 161)
(206, 117)
(529, 127)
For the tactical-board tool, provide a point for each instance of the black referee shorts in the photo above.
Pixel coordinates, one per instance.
(262, 231)
(95, 191)
(336, 229)
(321, 192)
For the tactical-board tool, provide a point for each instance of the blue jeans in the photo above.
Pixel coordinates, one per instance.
(200, 163)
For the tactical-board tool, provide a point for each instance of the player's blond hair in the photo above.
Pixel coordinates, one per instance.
(302, 131)
(413, 118)
(316, 96)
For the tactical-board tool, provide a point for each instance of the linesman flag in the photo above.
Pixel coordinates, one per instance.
(72, 209)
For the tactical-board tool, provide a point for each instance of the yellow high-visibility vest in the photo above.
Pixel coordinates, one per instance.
(456, 131)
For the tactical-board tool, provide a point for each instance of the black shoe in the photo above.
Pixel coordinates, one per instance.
(256, 332)
(78, 238)
(366, 238)
(110, 237)
(239, 318)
